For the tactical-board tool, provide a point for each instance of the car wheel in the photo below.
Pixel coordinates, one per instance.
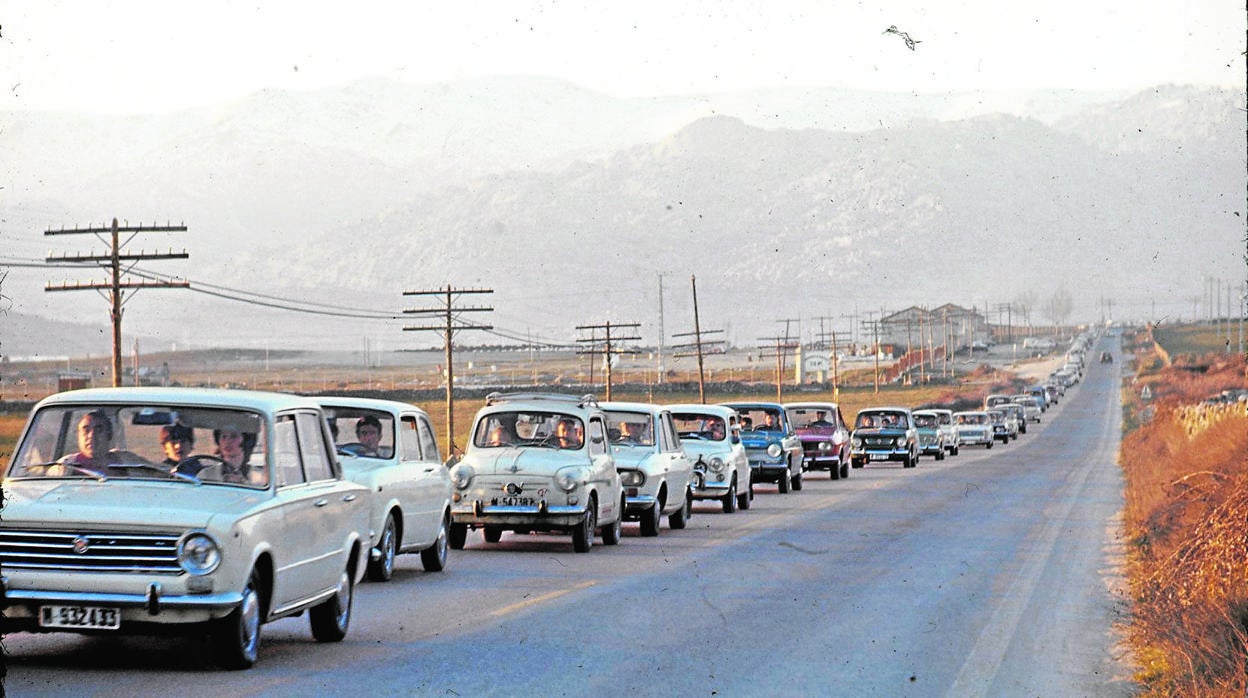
(492, 534)
(785, 482)
(650, 520)
(583, 533)
(730, 499)
(834, 471)
(844, 469)
(459, 536)
(680, 519)
(797, 482)
(856, 462)
(331, 618)
(381, 569)
(989, 444)
(611, 534)
(236, 638)
(940, 453)
(433, 558)
(954, 451)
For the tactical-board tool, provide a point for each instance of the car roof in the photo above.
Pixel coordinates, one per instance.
(647, 407)
(201, 397)
(811, 406)
(367, 403)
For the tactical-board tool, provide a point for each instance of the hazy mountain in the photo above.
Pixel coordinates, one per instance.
(568, 203)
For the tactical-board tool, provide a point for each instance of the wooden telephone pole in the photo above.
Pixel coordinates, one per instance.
(452, 323)
(698, 344)
(119, 265)
(593, 346)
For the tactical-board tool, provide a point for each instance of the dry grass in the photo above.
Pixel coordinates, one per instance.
(1187, 516)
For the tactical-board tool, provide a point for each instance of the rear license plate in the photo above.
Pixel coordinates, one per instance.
(92, 617)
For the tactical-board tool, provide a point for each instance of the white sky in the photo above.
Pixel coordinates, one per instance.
(143, 56)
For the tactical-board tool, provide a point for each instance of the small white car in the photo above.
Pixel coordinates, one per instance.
(711, 435)
(538, 462)
(655, 472)
(974, 429)
(390, 448)
(153, 510)
(950, 430)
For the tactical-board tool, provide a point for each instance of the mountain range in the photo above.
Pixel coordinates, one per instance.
(574, 207)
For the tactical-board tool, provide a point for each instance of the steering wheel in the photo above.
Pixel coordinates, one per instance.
(354, 448)
(196, 465)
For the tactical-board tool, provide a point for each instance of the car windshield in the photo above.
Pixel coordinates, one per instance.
(813, 419)
(630, 428)
(161, 442)
(760, 419)
(925, 421)
(879, 420)
(971, 418)
(700, 427)
(361, 432)
(514, 428)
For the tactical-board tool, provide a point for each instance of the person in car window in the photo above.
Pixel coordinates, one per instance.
(821, 420)
(368, 433)
(95, 440)
(177, 440)
(234, 447)
(770, 423)
(568, 434)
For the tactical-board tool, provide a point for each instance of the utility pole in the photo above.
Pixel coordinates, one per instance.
(607, 349)
(452, 323)
(698, 344)
(821, 343)
(874, 326)
(780, 347)
(661, 367)
(119, 281)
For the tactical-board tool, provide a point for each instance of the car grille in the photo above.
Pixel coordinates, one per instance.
(93, 552)
(879, 441)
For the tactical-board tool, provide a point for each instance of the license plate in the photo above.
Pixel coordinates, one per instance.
(516, 501)
(94, 617)
(879, 456)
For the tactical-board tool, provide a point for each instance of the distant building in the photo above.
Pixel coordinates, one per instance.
(949, 324)
(72, 380)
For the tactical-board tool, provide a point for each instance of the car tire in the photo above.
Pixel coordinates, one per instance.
(583, 532)
(611, 534)
(331, 618)
(235, 638)
(989, 444)
(856, 462)
(459, 536)
(650, 520)
(680, 519)
(940, 453)
(844, 469)
(954, 451)
(492, 533)
(382, 569)
(834, 472)
(784, 483)
(433, 558)
(729, 500)
(797, 482)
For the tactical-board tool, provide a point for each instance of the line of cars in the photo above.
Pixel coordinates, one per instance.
(115, 524)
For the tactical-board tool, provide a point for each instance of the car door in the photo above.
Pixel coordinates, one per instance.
(679, 467)
(422, 490)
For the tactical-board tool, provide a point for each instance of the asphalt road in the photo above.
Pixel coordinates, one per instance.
(987, 574)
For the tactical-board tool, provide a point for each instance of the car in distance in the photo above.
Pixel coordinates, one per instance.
(105, 531)
(931, 438)
(1107, 357)
(711, 435)
(538, 462)
(1003, 427)
(1031, 406)
(773, 448)
(825, 438)
(1019, 415)
(390, 448)
(884, 434)
(655, 472)
(944, 419)
(974, 428)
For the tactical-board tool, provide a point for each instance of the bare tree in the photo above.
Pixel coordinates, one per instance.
(1059, 307)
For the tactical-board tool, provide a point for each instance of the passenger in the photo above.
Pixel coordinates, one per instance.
(717, 429)
(821, 420)
(95, 440)
(498, 437)
(368, 433)
(177, 440)
(568, 434)
(630, 433)
(234, 448)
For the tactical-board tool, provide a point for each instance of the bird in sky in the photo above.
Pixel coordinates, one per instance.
(910, 43)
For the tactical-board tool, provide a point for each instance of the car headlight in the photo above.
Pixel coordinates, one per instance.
(461, 475)
(838, 438)
(567, 479)
(774, 450)
(825, 446)
(198, 553)
(632, 478)
(901, 441)
(718, 464)
(856, 442)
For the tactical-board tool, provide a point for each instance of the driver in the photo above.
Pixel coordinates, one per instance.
(177, 440)
(368, 433)
(95, 439)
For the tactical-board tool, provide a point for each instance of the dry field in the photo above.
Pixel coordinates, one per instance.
(1186, 468)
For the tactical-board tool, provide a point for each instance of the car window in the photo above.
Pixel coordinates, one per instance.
(286, 460)
(670, 442)
(428, 443)
(315, 454)
(597, 437)
(409, 439)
